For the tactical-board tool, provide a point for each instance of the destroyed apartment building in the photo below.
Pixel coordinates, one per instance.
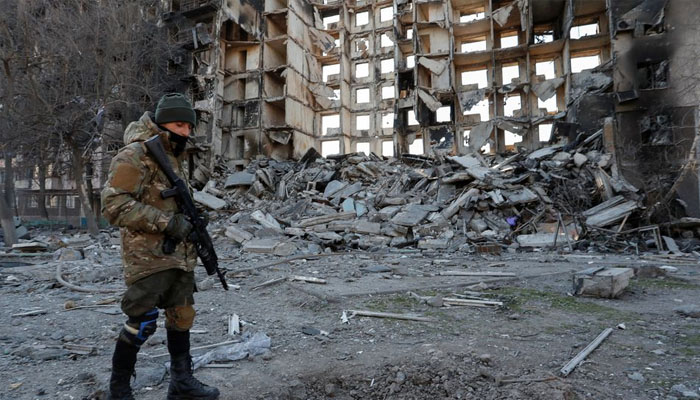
(275, 78)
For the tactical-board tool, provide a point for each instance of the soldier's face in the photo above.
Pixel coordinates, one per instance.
(179, 128)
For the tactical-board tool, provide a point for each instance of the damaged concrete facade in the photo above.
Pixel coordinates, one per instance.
(277, 77)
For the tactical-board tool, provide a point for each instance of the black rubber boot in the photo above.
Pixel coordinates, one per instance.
(123, 363)
(183, 385)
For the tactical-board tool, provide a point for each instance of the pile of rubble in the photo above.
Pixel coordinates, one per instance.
(554, 196)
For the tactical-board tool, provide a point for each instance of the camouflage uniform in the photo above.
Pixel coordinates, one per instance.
(132, 200)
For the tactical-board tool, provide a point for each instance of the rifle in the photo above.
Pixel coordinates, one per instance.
(179, 190)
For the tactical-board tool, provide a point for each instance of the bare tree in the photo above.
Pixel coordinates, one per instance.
(75, 64)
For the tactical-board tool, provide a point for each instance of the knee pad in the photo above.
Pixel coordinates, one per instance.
(138, 329)
(180, 318)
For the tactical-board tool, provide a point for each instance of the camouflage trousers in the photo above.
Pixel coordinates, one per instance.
(170, 290)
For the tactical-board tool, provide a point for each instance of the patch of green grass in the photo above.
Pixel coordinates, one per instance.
(689, 351)
(393, 303)
(692, 340)
(517, 298)
(665, 283)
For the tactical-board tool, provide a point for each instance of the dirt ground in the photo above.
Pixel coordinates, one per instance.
(463, 353)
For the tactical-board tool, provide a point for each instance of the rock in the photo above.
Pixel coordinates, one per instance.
(435, 301)
(684, 391)
(486, 359)
(69, 304)
(58, 335)
(48, 354)
(580, 159)
(330, 390)
(377, 268)
(297, 390)
(636, 376)
(688, 310)
(205, 284)
(400, 378)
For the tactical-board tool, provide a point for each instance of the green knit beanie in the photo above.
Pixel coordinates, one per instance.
(175, 107)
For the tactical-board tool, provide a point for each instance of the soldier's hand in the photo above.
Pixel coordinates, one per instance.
(179, 227)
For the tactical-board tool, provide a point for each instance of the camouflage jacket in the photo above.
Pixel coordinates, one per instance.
(131, 200)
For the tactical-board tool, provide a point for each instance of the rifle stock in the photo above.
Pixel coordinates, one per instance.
(179, 190)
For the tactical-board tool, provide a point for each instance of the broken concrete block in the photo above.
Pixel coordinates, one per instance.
(239, 179)
(540, 240)
(294, 231)
(333, 187)
(398, 241)
(266, 220)
(329, 236)
(22, 232)
(367, 242)
(348, 190)
(285, 249)
(265, 246)
(372, 228)
(462, 201)
(30, 247)
(209, 200)
(387, 212)
(270, 246)
(360, 208)
(562, 156)
(602, 282)
(434, 244)
(340, 226)
(394, 230)
(580, 159)
(410, 215)
(348, 205)
(446, 193)
(237, 234)
(65, 254)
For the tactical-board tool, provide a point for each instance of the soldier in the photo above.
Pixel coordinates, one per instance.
(131, 200)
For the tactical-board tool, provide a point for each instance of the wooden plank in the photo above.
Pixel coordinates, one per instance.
(472, 302)
(571, 365)
(308, 279)
(476, 273)
(374, 314)
(234, 325)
